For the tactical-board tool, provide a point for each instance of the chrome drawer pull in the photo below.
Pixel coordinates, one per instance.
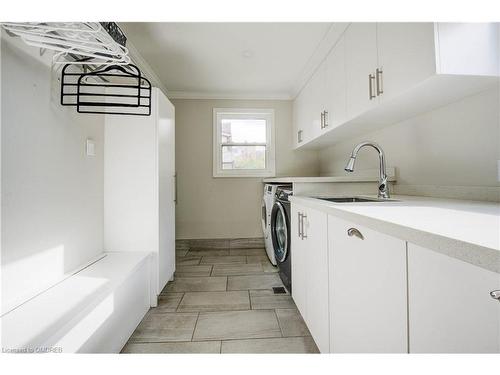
(495, 295)
(354, 232)
(371, 81)
(380, 77)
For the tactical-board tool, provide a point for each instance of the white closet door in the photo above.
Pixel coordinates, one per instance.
(167, 186)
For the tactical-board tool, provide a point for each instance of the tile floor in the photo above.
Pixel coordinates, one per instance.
(221, 301)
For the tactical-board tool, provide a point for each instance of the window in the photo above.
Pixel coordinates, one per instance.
(243, 142)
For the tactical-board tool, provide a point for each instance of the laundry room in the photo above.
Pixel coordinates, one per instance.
(215, 185)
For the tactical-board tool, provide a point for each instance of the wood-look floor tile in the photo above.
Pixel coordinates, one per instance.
(215, 301)
(265, 281)
(245, 251)
(197, 284)
(274, 345)
(187, 261)
(223, 259)
(236, 325)
(165, 327)
(237, 269)
(258, 259)
(246, 242)
(181, 252)
(220, 243)
(207, 252)
(207, 347)
(266, 299)
(291, 323)
(190, 271)
(167, 302)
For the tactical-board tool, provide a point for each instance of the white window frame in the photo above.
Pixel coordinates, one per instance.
(243, 113)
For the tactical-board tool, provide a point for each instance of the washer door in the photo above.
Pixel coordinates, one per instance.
(279, 231)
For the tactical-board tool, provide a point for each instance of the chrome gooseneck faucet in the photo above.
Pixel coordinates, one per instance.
(383, 188)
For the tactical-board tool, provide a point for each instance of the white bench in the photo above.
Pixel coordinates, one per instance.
(94, 311)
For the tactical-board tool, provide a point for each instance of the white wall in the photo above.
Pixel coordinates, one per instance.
(52, 194)
(436, 152)
(226, 207)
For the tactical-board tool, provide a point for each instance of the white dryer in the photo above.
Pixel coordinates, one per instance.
(268, 201)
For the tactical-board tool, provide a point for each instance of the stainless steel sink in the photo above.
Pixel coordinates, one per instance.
(353, 199)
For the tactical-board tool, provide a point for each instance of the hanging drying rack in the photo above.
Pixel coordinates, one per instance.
(115, 89)
(74, 42)
(97, 76)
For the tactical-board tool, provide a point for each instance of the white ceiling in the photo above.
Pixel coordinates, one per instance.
(228, 60)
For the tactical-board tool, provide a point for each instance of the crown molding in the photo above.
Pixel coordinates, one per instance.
(324, 47)
(175, 94)
(144, 66)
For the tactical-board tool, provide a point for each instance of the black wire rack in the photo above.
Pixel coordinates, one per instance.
(114, 89)
(115, 32)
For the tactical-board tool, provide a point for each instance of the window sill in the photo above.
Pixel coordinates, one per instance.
(244, 175)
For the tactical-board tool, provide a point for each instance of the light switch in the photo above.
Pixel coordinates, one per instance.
(90, 147)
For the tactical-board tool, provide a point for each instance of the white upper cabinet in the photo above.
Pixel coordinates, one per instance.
(360, 62)
(467, 48)
(388, 72)
(310, 107)
(406, 57)
(336, 105)
(450, 307)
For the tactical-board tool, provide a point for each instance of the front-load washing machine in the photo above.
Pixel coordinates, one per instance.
(268, 201)
(280, 235)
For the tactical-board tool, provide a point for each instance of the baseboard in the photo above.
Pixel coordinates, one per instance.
(220, 243)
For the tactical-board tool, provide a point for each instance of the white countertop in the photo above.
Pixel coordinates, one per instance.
(468, 230)
(324, 179)
(369, 175)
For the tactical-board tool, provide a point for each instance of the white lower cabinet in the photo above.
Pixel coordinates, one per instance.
(310, 271)
(362, 291)
(367, 287)
(450, 307)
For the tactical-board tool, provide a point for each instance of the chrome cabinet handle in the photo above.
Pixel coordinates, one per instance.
(380, 82)
(175, 188)
(371, 79)
(304, 235)
(299, 221)
(495, 295)
(325, 119)
(299, 136)
(354, 232)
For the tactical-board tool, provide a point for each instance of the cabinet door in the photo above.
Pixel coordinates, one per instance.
(367, 290)
(299, 119)
(317, 101)
(336, 86)
(450, 309)
(316, 253)
(166, 189)
(361, 61)
(406, 56)
(299, 262)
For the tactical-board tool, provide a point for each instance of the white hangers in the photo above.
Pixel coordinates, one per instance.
(72, 41)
